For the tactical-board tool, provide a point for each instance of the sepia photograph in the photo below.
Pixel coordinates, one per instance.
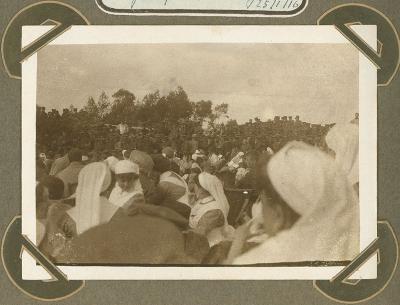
(199, 152)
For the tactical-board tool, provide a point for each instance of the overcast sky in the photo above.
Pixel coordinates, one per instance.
(319, 82)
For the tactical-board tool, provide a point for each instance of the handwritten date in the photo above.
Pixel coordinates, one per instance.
(273, 4)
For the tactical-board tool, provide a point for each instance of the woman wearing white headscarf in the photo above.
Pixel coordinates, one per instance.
(91, 209)
(310, 211)
(209, 214)
(343, 140)
(128, 189)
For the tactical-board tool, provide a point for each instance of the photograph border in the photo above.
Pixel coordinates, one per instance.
(205, 34)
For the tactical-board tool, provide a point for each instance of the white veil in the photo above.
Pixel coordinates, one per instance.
(89, 210)
(214, 186)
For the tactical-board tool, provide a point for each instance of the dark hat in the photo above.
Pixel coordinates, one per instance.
(161, 164)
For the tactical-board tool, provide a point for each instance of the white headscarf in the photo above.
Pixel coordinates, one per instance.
(90, 208)
(314, 187)
(111, 162)
(118, 196)
(126, 167)
(343, 140)
(214, 186)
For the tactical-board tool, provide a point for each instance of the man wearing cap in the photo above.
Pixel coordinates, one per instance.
(127, 190)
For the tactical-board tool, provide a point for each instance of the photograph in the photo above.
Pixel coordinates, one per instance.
(199, 152)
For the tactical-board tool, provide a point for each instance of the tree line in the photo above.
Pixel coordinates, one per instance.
(153, 109)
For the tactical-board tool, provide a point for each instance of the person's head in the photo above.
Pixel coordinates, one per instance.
(168, 152)
(276, 213)
(161, 164)
(179, 154)
(206, 184)
(75, 155)
(125, 154)
(208, 167)
(196, 187)
(251, 159)
(42, 156)
(49, 188)
(144, 161)
(126, 174)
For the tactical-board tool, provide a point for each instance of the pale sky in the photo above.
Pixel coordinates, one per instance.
(319, 82)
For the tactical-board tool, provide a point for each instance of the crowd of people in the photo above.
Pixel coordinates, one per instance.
(277, 191)
(58, 133)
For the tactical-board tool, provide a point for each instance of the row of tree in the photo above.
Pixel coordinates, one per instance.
(152, 109)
